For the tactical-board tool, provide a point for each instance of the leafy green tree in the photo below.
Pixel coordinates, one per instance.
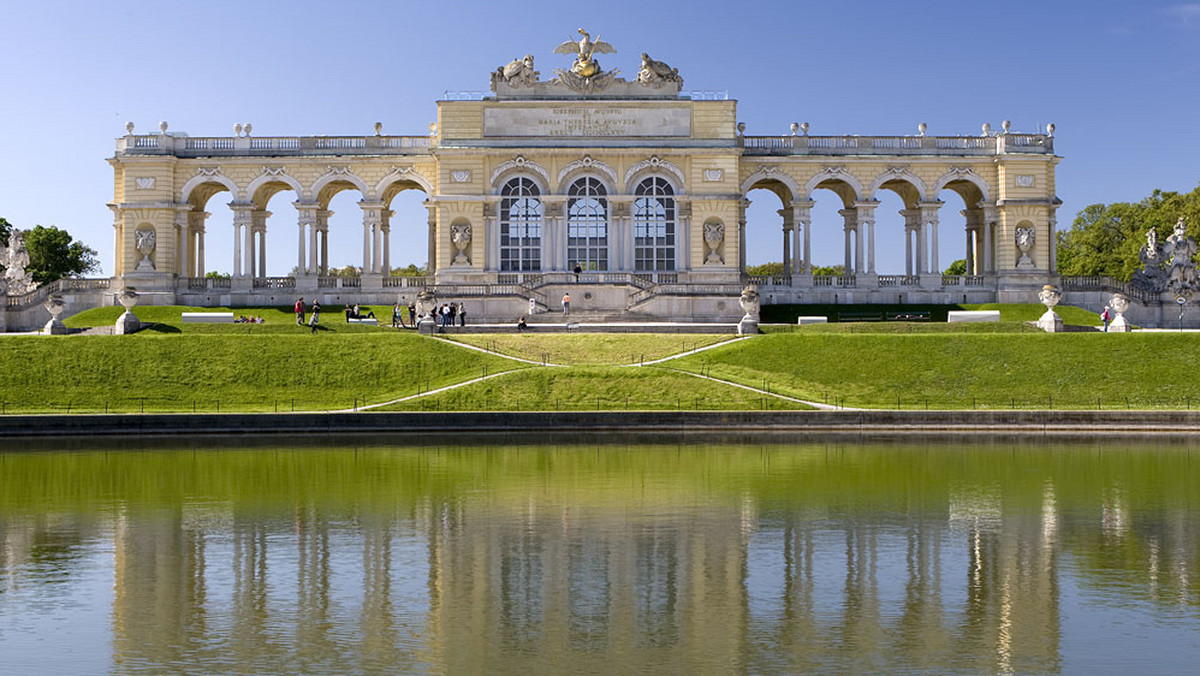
(958, 267)
(834, 270)
(411, 271)
(1104, 239)
(53, 254)
(772, 269)
(5, 229)
(213, 274)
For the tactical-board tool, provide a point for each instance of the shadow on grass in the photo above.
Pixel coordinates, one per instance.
(162, 328)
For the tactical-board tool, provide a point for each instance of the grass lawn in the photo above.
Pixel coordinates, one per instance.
(278, 320)
(1081, 370)
(590, 348)
(1009, 312)
(257, 372)
(594, 388)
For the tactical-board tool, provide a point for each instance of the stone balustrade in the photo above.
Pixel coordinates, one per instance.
(898, 145)
(233, 146)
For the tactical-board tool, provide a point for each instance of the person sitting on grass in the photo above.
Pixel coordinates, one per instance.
(359, 315)
(351, 313)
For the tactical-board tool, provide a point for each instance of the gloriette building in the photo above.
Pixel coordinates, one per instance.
(639, 183)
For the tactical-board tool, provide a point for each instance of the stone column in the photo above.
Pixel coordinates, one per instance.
(1053, 225)
(912, 241)
(849, 229)
(491, 233)
(314, 238)
(307, 222)
(385, 227)
(620, 243)
(974, 219)
(989, 237)
(554, 233)
(183, 236)
(802, 218)
(323, 235)
(741, 237)
(866, 216)
(786, 214)
(433, 243)
(929, 215)
(372, 218)
(242, 219)
(200, 271)
(259, 241)
(683, 236)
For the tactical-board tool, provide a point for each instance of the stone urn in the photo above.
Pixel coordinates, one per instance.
(55, 306)
(1119, 303)
(127, 322)
(714, 234)
(1050, 322)
(749, 302)
(145, 241)
(426, 302)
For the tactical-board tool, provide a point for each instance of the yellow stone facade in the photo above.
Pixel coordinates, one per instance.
(613, 142)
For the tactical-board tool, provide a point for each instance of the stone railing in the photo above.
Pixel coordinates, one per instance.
(898, 145)
(1103, 283)
(835, 280)
(44, 291)
(274, 282)
(406, 282)
(899, 280)
(767, 280)
(962, 280)
(205, 283)
(283, 146)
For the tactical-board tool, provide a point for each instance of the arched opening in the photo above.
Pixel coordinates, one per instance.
(274, 227)
(408, 228)
(654, 225)
(962, 232)
(833, 254)
(896, 217)
(209, 244)
(587, 224)
(520, 226)
(762, 251)
(351, 251)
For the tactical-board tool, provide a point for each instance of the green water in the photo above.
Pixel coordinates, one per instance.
(830, 558)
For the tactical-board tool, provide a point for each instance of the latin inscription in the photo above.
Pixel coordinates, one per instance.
(585, 121)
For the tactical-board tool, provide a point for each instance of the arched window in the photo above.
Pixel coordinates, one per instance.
(587, 224)
(520, 226)
(654, 225)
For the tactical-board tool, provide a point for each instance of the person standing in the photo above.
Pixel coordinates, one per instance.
(1106, 317)
(462, 314)
(412, 314)
(299, 309)
(566, 302)
(451, 310)
(397, 321)
(316, 316)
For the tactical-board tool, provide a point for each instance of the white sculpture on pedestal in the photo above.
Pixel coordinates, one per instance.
(55, 306)
(17, 281)
(750, 305)
(145, 241)
(1119, 303)
(1050, 322)
(460, 236)
(1024, 241)
(127, 322)
(714, 234)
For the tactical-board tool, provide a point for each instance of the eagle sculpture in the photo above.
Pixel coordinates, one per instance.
(585, 65)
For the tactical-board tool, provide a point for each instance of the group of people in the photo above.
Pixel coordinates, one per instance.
(314, 317)
(357, 313)
(446, 313)
(243, 319)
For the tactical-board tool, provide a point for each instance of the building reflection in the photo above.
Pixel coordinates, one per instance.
(537, 580)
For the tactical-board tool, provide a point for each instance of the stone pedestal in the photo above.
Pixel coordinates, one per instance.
(427, 325)
(55, 327)
(127, 323)
(1119, 325)
(1050, 322)
(371, 283)
(748, 327)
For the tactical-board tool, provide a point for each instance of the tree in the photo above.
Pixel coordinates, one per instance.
(830, 270)
(411, 271)
(773, 269)
(5, 229)
(1104, 239)
(53, 254)
(958, 267)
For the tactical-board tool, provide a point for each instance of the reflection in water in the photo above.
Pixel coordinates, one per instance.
(764, 559)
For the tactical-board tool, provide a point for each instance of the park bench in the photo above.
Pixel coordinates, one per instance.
(973, 316)
(801, 321)
(363, 320)
(208, 317)
(860, 316)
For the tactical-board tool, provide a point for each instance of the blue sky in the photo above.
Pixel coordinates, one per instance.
(1118, 79)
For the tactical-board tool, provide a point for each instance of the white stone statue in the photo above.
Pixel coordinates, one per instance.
(1119, 304)
(656, 73)
(1181, 276)
(460, 236)
(17, 279)
(1025, 240)
(749, 301)
(714, 235)
(145, 241)
(1050, 322)
(426, 304)
(516, 72)
(1153, 256)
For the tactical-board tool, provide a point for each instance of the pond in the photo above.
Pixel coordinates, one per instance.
(358, 557)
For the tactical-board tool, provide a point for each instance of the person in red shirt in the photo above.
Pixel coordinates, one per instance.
(299, 308)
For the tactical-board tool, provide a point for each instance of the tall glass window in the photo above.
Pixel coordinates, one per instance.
(654, 225)
(587, 224)
(520, 226)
